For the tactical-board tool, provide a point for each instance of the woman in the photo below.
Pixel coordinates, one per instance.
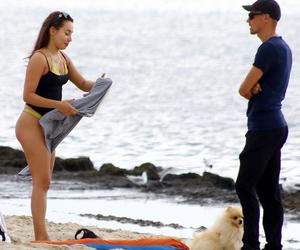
(48, 69)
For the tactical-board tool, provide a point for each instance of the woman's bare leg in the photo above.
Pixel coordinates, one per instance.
(40, 162)
(52, 162)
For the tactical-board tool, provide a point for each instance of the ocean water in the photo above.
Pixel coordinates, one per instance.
(176, 67)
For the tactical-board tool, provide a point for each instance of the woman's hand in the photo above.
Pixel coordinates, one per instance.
(66, 108)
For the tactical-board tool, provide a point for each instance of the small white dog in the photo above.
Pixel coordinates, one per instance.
(225, 234)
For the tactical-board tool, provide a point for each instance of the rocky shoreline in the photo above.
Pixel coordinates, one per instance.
(190, 187)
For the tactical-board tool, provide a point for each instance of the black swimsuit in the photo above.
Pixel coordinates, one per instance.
(50, 86)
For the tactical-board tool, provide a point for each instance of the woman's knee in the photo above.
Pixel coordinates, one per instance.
(42, 183)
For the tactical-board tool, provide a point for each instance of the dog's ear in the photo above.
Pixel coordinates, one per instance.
(228, 209)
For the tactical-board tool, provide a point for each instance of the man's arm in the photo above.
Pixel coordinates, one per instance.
(250, 85)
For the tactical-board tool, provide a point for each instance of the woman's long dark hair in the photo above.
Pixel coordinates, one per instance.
(55, 19)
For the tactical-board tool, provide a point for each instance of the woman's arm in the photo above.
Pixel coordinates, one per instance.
(77, 78)
(250, 85)
(37, 66)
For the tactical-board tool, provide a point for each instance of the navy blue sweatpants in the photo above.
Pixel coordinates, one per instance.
(258, 182)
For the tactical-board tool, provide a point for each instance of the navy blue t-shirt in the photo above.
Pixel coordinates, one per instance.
(274, 58)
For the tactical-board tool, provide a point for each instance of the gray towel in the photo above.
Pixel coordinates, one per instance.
(57, 126)
(3, 230)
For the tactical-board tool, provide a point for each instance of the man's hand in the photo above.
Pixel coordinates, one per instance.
(256, 89)
(250, 83)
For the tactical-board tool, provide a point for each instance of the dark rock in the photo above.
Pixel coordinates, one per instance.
(10, 157)
(11, 160)
(182, 177)
(58, 165)
(73, 164)
(291, 202)
(219, 181)
(110, 169)
(149, 168)
(196, 180)
(77, 164)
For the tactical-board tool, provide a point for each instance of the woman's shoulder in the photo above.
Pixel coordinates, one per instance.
(38, 56)
(38, 61)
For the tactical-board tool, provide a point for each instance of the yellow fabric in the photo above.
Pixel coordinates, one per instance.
(55, 70)
(32, 112)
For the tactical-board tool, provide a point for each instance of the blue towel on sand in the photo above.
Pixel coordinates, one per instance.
(121, 247)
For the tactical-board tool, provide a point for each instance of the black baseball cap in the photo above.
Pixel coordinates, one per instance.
(270, 7)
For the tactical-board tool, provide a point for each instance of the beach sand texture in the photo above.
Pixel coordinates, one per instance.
(20, 229)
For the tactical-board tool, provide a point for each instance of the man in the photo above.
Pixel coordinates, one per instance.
(264, 87)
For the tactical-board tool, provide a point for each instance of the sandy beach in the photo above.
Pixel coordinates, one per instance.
(20, 230)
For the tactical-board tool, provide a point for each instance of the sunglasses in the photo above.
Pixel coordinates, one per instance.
(64, 14)
(251, 15)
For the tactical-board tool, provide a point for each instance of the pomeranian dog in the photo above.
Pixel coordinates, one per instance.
(225, 234)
